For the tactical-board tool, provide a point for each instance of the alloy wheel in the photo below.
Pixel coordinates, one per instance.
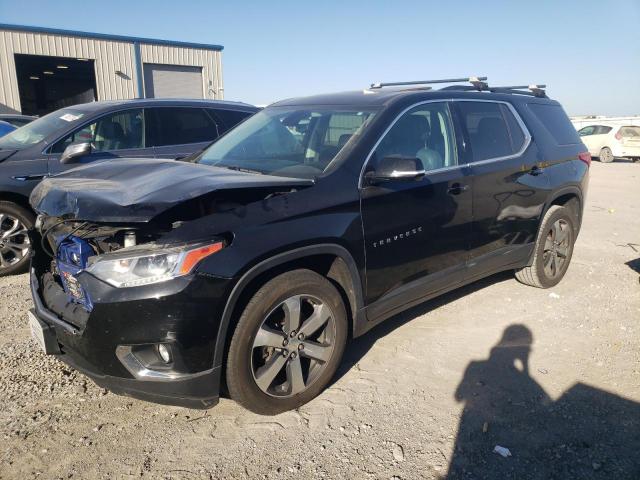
(606, 155)
(293, 346)
(557, 247)
(14, 241)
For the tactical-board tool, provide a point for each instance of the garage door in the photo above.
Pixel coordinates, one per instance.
(172, 81)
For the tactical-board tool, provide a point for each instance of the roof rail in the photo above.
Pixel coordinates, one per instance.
(533, 90)
(477, 82)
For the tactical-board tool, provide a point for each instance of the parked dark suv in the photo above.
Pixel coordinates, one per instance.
(253, 263)
(97, 131)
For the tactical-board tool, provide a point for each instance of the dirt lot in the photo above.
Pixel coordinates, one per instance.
(433, 389)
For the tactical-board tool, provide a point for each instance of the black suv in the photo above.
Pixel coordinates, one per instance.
(251, 264)
(97, 131)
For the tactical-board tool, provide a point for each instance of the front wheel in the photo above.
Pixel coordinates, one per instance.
(15, 245)
(288, 343)
(553, 249)
(606, 155)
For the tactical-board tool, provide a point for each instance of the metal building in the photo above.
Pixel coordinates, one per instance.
(43, 69)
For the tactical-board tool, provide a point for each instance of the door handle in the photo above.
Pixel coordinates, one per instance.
(457, 189)
(24, 178)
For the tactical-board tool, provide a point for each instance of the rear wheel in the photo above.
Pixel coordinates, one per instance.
(606, 155)
(288, 343)
(15, 245)
(553, 250)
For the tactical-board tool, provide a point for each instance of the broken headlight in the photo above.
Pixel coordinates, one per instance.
(144, 267)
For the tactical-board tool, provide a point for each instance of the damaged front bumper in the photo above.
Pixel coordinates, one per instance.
(116, 343)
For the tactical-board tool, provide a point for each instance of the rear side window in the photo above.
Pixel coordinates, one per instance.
(493, 130)
(178, 126)
(227, 119)
(602, 130)
(556, 122)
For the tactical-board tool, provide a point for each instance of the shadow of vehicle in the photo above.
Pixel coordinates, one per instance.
(359, 347)
(587, 433)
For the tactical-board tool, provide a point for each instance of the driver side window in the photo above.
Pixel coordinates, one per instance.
(117, 131)
(426, 133)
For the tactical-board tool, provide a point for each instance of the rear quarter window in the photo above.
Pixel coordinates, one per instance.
(556, 122)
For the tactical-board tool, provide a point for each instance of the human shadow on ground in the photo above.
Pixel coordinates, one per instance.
(587, 433)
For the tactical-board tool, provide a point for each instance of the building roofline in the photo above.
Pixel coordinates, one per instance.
(106, 36)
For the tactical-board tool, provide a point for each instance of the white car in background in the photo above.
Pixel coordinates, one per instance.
(608, 142)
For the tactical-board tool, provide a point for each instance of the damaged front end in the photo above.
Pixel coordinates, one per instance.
(134, 317)
(122, 256)
(115, 274)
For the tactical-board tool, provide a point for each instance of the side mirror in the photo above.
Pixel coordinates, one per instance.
(74, 152)
(396, 168)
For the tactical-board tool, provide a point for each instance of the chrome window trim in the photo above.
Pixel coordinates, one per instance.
(519, 121)
(386, 131)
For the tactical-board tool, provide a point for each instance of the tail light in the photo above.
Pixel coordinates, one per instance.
(585, 157)
(618, 136)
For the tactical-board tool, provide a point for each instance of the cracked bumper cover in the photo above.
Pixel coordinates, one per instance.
(184, 313)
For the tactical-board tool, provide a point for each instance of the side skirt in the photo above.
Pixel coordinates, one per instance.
(427, 288)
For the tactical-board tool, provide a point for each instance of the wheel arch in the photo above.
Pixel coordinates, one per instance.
(18, 199)
(331, 260)
(568, 196)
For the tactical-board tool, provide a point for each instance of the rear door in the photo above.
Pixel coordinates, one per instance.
(590, 138)
(509, 184)
(176, 132)
(416, 232)
(114, 135)
(602, 137)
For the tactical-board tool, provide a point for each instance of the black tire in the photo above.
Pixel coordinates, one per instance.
(606, 155)
(9, 209)
(537, 275)
(240, 377)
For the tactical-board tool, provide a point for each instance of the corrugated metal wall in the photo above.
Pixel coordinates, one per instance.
(109, 56)
(209, 60)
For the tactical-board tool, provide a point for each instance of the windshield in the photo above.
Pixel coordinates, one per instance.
(289, 142)
(39, 129)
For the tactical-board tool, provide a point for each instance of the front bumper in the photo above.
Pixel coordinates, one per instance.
(183, 314)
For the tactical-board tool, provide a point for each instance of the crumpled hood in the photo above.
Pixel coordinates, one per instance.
(136, 190)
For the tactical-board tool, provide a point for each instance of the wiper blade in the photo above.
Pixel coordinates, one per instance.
(240, 169)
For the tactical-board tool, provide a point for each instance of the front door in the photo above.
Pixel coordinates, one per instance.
(115, 135)
(416, 232)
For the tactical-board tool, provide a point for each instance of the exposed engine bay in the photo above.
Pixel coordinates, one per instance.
(75, 246)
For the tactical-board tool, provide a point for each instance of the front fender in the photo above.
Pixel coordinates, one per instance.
(274, 261)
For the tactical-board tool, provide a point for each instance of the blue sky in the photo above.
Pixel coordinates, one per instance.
(587, 52)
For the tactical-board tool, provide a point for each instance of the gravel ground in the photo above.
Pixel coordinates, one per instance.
(431, 390)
